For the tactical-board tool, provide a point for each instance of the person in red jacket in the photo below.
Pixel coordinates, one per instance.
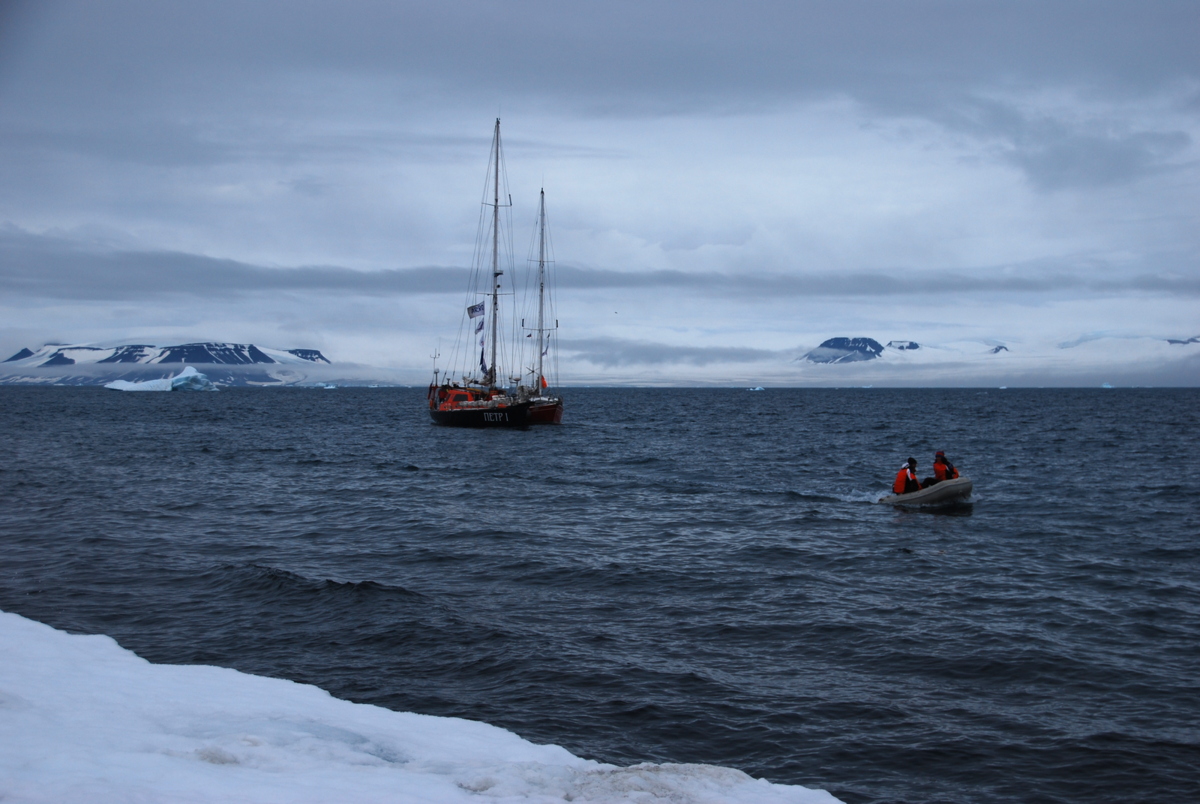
(942, 470)
(906, 478)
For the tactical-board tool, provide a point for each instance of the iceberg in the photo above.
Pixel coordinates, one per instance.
(187, 380)
(86, 720)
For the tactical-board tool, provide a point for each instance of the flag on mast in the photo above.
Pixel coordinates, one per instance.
(475, 310)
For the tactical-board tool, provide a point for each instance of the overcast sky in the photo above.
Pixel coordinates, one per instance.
(728, 184)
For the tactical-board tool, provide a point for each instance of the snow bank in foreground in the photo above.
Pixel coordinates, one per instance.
(187, 380)
(82, 719)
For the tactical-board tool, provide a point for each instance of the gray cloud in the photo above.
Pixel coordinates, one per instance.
(627, 54)
(1073, 159)
(617, 352)
(876, 285)
(59, 267)
(1057, 154)
(931, 58)
(161, 143)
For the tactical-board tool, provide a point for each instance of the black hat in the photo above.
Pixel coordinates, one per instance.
(912, 461)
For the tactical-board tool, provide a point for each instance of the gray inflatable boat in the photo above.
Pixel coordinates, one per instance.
(947, 491)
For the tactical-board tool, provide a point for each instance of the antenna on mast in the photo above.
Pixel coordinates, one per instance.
(437, 352)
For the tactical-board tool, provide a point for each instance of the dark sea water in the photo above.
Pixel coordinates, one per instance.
(670, 576)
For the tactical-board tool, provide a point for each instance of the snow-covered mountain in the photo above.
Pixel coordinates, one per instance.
(227, 364)
(55, 354)
(858, 349)
(845, 350)
(1085, 360)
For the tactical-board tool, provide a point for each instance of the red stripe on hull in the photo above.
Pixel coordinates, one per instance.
(548, 413)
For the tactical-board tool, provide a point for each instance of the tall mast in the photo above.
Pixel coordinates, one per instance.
(541, 286)
(491, 378)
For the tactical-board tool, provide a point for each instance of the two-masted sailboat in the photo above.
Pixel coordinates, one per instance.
(480, 397)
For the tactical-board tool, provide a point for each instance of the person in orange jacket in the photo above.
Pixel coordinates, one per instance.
(942, 470)
(906, 478)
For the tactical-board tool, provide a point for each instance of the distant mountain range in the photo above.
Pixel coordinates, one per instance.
(232, 354)
(845, 350)
(853, 350)
(230, 364)
(857, 350)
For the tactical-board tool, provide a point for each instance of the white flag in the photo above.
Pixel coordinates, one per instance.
(475, 310)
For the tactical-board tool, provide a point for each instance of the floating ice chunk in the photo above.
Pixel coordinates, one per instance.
(148, 385)
(82, 719)
(187, 380)
(191, 380)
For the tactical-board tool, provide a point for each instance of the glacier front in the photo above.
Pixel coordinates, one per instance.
(82, 719)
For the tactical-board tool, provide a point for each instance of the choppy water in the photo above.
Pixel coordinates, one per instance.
(672, 575)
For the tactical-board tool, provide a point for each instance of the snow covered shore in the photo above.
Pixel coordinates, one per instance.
(82, 719)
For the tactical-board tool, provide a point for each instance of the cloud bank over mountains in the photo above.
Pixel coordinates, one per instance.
(53, 266)
(727, 188)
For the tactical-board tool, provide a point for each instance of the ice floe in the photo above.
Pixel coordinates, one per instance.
(82, 719)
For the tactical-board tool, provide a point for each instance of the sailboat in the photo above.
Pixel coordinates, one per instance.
(545, 407)
(478, 398)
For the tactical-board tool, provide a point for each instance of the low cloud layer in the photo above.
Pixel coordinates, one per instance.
(612, 352)
(56, 267)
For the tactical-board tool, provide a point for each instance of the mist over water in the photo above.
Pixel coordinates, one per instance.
(670, 576)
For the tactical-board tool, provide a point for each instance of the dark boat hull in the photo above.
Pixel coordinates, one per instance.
(507, 416)
(548, 412)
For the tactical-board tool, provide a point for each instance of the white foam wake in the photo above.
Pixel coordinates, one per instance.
(82, 719)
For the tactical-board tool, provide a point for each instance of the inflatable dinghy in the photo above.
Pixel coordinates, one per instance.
(937, 494)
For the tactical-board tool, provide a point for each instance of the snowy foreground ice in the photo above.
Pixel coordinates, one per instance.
(187, 380)
(84, 720)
